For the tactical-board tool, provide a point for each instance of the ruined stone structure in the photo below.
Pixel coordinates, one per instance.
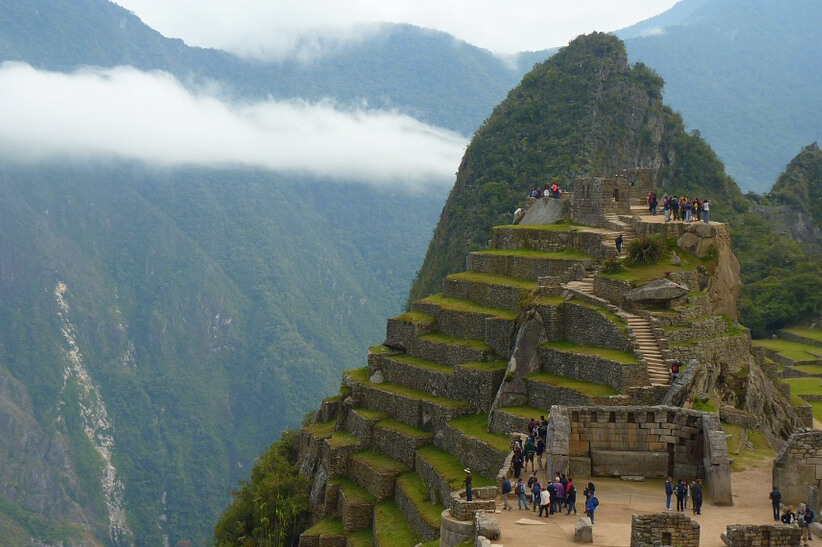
(798, 467)
(660, 529)
(769, 535)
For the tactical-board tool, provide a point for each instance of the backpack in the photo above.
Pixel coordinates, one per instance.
(595, 501)
(518, 489)
(506, 486)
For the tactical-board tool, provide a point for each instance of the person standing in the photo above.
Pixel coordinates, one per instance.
(517, 462)
(530, 450)
(706, 209)
(680, 492)
(696, 497)
(591, 506)
(776, 500)
(506, 490)
(789, 517)
(544, 502)
(807, 517)
(571, 496)
(519, 491)
(467, 482)
(669, 491)
(536, 489)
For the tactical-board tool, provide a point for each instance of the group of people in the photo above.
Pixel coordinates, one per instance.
(688, 210)
(533, 448)
(683, 490)
(803, 517)
(552, 498)
(548, 191)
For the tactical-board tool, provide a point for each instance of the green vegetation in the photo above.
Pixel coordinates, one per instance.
(491, 279)
(403, 429)
(816, 370)
(321, 430)
(525, 411)
(476, 426)
(354, 491)
(340, 439)
(485, 365)
(416, 491)
(455, 304)
(744, 456)
(586, 388)
(380, 462)
(422, 363)
(449, 467)
(805, 386)
(612, 265)
(442, 338)
(637, 275)
(817, 410)
(809, 333)
(416, 317)
(370, 414)
(646, 250)
(272, 507)
(792, 350)
(390, 528)
(363, 537)
(623, 357)
(705, 406)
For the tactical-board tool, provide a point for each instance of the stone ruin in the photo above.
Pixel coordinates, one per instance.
(768, 535)
(659, 529)
(797, 469)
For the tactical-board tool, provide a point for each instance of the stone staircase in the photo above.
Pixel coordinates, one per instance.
(647, 346)
(619, 226)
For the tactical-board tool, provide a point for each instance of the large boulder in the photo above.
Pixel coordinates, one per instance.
(487, 526)
(658, 290)
(584, 531)
(547, 211)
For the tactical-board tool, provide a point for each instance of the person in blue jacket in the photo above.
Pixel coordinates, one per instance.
(669, 491)
(591, 506)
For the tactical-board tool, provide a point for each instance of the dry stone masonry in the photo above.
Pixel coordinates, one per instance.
(660, 529)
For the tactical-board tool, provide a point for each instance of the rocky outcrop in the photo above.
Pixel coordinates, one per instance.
(524, 361)
(658, 290)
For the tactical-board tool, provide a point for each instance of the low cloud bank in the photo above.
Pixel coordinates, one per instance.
(151, 117)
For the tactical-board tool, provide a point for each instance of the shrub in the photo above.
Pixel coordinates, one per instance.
(612, 265)
(646, 250)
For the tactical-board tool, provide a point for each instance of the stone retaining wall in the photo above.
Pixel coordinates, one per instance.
(523, 267)
(586, 326)
(379, 484)
(434, 382)
(454, 531)
(447, 354)
(722, 349)
(504, 423)
(360, 426)
(400, 332)
(354, 512)
(438, 489)
(798, 466)
(397, 445)
(476, 386)
(541, 395)
(482, 458)
(413, 517)
(768, 535)
(799, 338)
(537, 239)
(705, 328)
(335, 458)
(462, 509)
(484, 294)
(592, 368)
(612, 290)
(664, 529)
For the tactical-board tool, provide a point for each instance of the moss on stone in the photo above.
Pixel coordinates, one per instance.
(321, 430)
(417, 493)
(370, 414)
(488, 366)
(403, 429)
(805, 386)
(449, 467)
(422, 363)
(809, 369)
(476, 426)
(380, 462)
(339, 439)
(363, 537)
(441, 338)
(586, 388)
(616, 355)
(417, 317)
(390, 528)
(466, 306)
(328, 526)
(551, 301)
(745, 456)
(353, 491)
(806, 332)
(493, 279)
(380, 350)
(524, 411)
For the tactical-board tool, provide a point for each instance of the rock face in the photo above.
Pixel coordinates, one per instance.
(524, 361)
(658, 290)
(584, 531)
(547, 211)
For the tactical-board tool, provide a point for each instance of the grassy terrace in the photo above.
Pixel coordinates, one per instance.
(491, 279)
(449, 468)
(525, 411)
(805, 386)
(390, 528)
(329, 526)
(339, 439)
(321, 430)
(361, 375)
(476, 425)
(809, 369)
(403, 429)
(810, 334)
(567, 254)
(586, 388)
(380, 350)
(456, 304)
(370, 414)
(485, 365)
(735, 331)
(792, 350)
(817, 410)
(638, 275)
(422, 363)
(623, 357)
(416, 491)
(558, 301)
(417, 317)
(380, 462)
(745, 457)
(361, 538)
(440, 338)
(560, 227)
(353, 491)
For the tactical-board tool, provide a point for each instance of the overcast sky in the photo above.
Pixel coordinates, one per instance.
(151, 117)
(260, 27)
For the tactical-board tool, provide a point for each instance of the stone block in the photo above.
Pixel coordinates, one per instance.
(584, 531)
(487, 526)
(616, 463)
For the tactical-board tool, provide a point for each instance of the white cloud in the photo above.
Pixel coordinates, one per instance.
(653, 31)
(151, 117)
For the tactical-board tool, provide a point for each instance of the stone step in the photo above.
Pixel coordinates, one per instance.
(399, 441)
(527, 264)
(375, 472)
(494, 291)
(328, 531)
(355, 505)
(360, 423)
(441, 348)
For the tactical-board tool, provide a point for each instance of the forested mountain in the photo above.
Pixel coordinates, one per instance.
(744, 73)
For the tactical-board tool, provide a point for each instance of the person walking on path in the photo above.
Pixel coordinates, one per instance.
(591, 506)
(517, 462)
(519, 491)
(669, 491)
(467, 482)
(776, 499)
(619, 240)
(530, 450)
(506, 489)
(696, 496)
(536, 488)
(544, 503)
(571, 496)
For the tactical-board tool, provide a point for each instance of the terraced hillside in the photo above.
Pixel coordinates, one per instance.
(533, 322)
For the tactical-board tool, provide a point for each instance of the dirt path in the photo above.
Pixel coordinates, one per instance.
(619, 500)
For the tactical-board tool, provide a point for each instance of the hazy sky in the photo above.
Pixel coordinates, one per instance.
(273, 27)
(151, 117)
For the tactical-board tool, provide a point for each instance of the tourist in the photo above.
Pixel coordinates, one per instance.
(696, 208)
(543, 428)
(536, 488)
(619, 240)
(591, 506)
(687, 495)
(706, 208)
(571, 496)
(666, 208)
(675, 370)
(560, 493)
(807, 518)
(544, 502)
(506, 489)
(789, 517)
(519, 492)
(539, 450)
(530, 450)
(681, 491)
(516, 461)
(669, 491)
(654, 203)
(555, 191)
(675, 207)
(467, 482)
(696, 496)
(546, 192)
(776, 499)
(615, 194)
(552, 493)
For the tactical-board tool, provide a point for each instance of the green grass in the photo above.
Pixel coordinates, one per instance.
(611, 316)
(476, 425)
(805, 386)
(390, 527)
(638, 275)
(380, 350)
(694, 342)
(371, 414)
(361, 376)
(552, 301)
(422, 363)
(416, 317)
(329, 526)
(797, 401)
(432, 543)
(809, 333)
(567, 254)
(403, 429)
(380, 462)
(363, 537)
(492, 279)
(321, 430)
(416, 491)
(449, 468)
(817, 410)
(586, 388)
(440, 338)
(485, 365)
(525, 412)
(353, 491)
(623, 357)
(809, 369)
(706, 406)
(466, 306)
(332, 399)
(792, 350)
(340, 439)
(745, 458)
